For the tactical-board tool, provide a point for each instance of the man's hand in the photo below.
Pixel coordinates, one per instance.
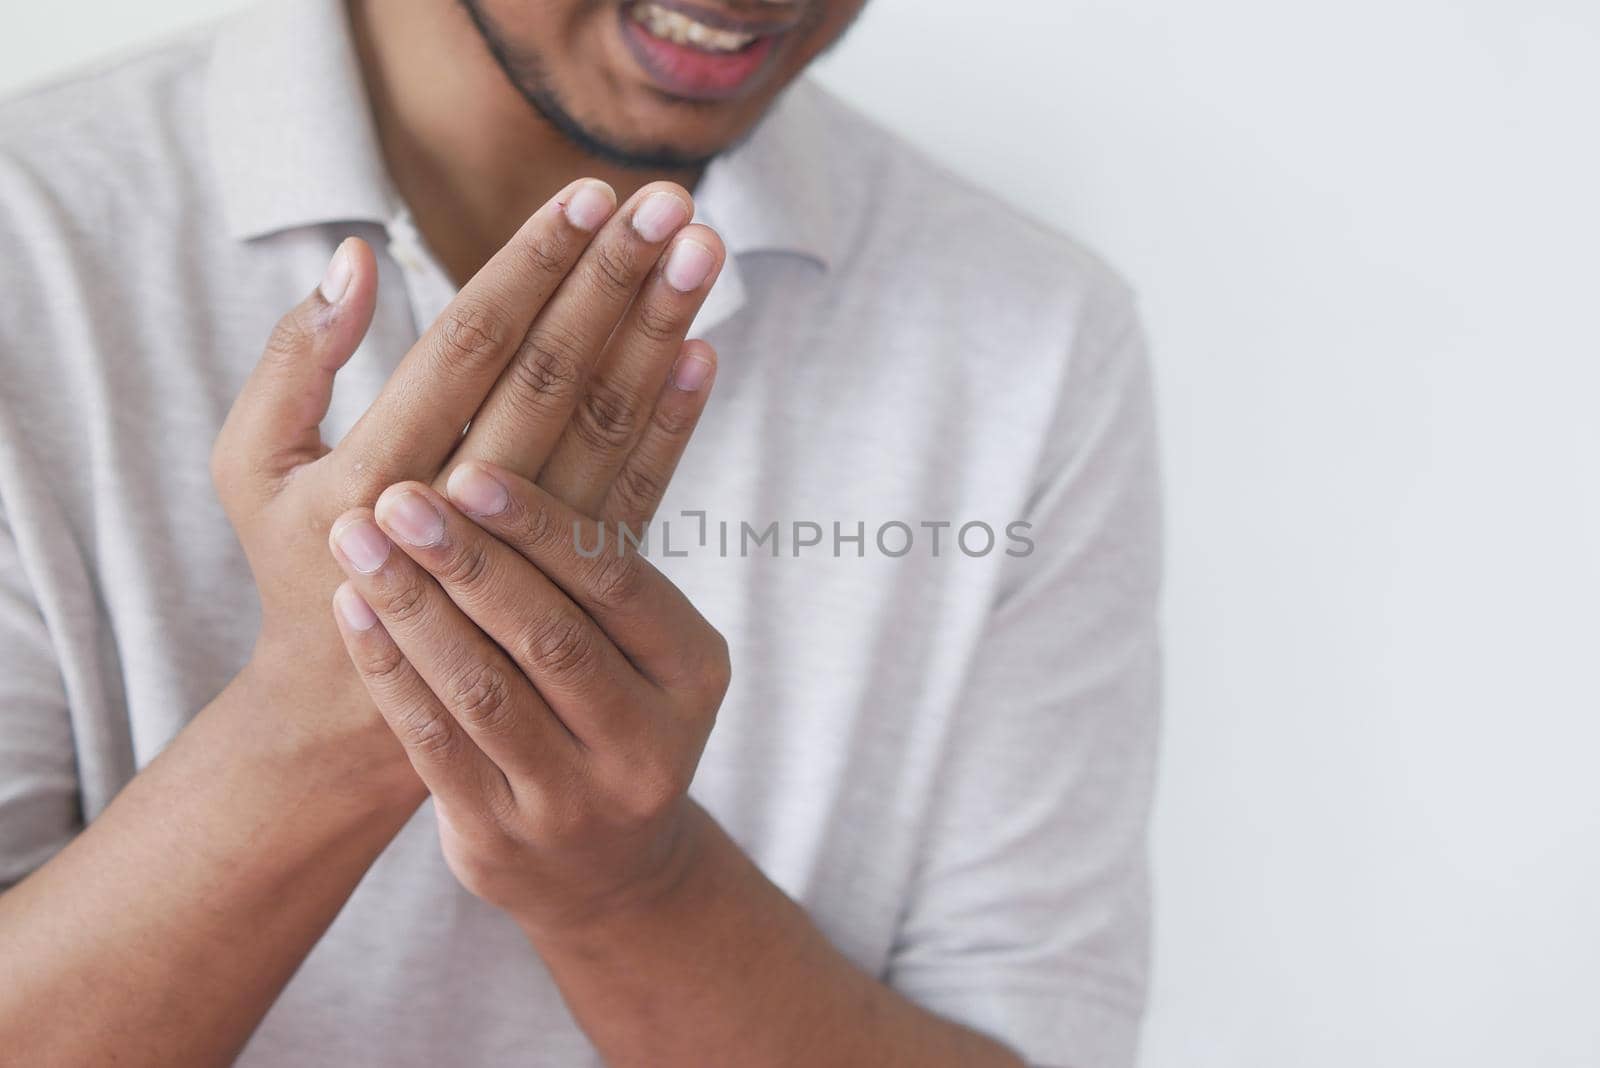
(555, 705)
(550, 352)
(212, 874)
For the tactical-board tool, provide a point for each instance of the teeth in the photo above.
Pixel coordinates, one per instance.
(675, 26)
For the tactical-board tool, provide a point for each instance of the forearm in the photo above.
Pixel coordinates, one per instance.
(164, 932)
(725, 969)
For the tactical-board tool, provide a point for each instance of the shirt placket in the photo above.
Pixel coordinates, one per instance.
(428, 287)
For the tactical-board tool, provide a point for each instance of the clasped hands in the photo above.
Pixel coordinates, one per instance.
(555, 704)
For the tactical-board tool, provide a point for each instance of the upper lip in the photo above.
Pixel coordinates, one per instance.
(720, 19)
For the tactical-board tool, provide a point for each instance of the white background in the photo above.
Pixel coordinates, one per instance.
(1368, 242)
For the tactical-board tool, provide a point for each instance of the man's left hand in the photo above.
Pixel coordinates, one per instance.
(556, 705)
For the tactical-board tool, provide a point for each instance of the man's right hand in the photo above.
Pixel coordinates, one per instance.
(555, 352)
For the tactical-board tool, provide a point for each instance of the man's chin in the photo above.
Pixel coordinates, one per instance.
(637, 152)
(612, 113)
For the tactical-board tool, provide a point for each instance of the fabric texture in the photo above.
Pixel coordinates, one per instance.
(944, 757)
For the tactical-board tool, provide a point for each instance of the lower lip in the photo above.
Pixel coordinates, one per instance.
(690, 72)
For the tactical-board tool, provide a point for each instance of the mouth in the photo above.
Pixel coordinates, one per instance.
(702, 53)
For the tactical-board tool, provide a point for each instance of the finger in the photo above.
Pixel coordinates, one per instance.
(581, 675)
(418, 418)
(638, 608)
(272, 427)
(454, 769)
(621, 393)
(526, 413)
(487, 696)
(637, 489)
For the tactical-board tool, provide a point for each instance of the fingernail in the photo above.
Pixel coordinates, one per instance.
(589, 205)
(476, 491)
(687, 265)
(353, 608)
(336, 279)
(412, 517)
(690, 372)
(363, 544)
(659, 215)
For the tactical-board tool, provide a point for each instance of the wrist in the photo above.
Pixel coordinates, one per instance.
(326, 735)
(618, 917)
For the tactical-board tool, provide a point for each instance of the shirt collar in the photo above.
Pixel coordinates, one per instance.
(292, 136)
(770, 192)
(294, 143)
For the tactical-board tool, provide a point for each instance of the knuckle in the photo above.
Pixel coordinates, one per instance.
(657, 323)
(653, 787)
(471, 331)
(384, 667)
(559, 646)
(615, 579)
(718, 670)
(406, 601)
(548, 364)
(540, 523)
(427, 730)
(674, 421)
(708, 672)
(610, 271)
(468, 566)
(481, 697)
(290, 338)
(546, 254)
(504, 814)
(607, 417)
(638, 489)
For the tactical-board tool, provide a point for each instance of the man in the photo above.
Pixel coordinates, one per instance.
(364, 753)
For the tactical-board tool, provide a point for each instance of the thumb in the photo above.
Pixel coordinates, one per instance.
(272, 427)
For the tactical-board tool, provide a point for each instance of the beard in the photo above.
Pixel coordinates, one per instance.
(526, 72)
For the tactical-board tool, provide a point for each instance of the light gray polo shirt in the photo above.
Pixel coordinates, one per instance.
(945, 756)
